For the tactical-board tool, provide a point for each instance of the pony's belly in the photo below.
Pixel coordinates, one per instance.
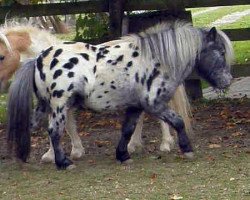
(110, 100)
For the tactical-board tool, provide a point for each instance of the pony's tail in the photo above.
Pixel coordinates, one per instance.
(181, 105)
(19, 110)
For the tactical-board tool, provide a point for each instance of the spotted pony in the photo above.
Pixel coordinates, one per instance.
(141, 73)
(19, 42)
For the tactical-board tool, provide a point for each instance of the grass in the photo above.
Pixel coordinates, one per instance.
(242, 51)
(244, 22)
(207, 18)
(225, 177)
(3, 107)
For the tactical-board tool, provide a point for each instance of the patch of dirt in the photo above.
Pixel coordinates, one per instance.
(218, 124)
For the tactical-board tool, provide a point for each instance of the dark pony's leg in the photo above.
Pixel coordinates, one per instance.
(132, 115)
(56, 129)
(169, 116)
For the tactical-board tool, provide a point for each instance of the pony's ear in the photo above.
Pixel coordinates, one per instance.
(211, 36)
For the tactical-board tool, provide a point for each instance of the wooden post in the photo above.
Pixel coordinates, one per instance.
(193, 88)
(116, 12)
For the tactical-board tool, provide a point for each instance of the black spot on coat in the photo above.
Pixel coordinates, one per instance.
(46, 52)
(130, 63)
(57, 52)
(53, 85)
(74, 60)
(151, 78)
(94, 69)
(137, 77)
(71, 86)
(53, 63)
(39, 65)
(69, 65)
(57, 73)
(71, 74)
(99, 56)
(120, 58)
(58, 93)
(85, 56)
(135, 54)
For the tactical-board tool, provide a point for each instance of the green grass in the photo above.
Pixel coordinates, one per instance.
(207, 18)
(244, 22)
(226, 177)
(242, 51)
(3, 107)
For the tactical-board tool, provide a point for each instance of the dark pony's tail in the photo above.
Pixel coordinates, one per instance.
(19, 110)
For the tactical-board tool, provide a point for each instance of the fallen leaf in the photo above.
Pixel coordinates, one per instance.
(210, 158)
(176, 197)
(237, 134)
(214, 146)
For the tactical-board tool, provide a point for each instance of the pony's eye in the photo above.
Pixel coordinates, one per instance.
(223, 53)
(1, 57)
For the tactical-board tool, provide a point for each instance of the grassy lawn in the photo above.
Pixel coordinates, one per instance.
(244, 22)
(207, 18)
(225, 176)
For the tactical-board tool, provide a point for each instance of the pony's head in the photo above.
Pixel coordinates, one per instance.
(11, 44)
(214, 61)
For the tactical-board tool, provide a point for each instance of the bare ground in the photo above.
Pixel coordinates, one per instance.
(217, 124)
(221, 142)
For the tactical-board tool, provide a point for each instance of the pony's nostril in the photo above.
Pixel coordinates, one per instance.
(1, 57)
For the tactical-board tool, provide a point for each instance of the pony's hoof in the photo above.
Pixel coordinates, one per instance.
(131, 149)
(189, 155)
(127, 162)
(46, 159)
(71, 167)
(76, 154)
(165, 148)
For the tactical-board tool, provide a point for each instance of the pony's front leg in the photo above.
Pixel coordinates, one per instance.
(132, 115)
(167, 140)
(77, 148)
(136, 139)
(169, 116)
(56, 129)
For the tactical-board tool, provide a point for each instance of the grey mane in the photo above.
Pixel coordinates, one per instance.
(176, 45)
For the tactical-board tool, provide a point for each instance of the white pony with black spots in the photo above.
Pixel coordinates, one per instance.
(141, 73)
(18, 42)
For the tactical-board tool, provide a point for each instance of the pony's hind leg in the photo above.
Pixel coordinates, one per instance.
(136, 139)
(132, 115)
(169, 116)
(167, 140)
(56, 129)
(77, 148)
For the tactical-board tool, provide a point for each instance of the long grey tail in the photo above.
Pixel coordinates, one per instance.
(19, 110)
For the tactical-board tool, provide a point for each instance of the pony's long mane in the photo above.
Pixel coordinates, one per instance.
(228, 46)
(174, 44)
